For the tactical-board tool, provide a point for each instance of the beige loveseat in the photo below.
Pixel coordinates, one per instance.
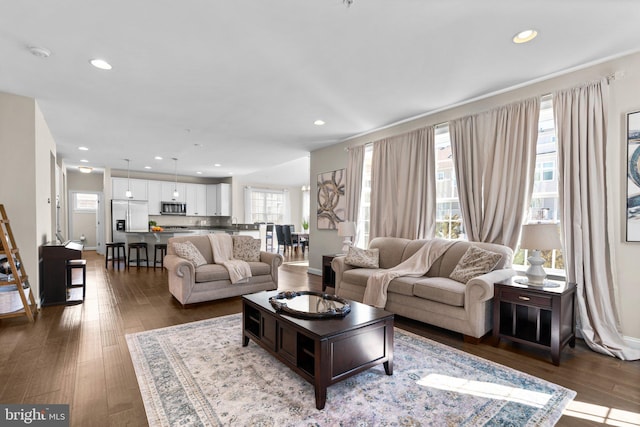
(189, 284)
(433, 298)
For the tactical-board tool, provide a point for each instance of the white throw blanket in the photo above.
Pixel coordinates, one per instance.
(416, 265)
(222, 247)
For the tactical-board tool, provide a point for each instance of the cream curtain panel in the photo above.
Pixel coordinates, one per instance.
(355, 166)
(581, 123)
(494, 156)
(403, 188)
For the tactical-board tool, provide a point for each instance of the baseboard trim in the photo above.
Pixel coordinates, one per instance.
(632, 342)
(314, 271)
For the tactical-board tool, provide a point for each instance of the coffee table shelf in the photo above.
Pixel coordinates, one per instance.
(322, 351)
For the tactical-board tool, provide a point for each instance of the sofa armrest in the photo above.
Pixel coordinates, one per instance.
(339, 267)
(179, 266)
(274, 260)
(480, 288)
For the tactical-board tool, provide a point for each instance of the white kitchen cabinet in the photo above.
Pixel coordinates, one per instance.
(219, 199)
(138, 188)
(167, 192)
(154, 189)
(196, 197)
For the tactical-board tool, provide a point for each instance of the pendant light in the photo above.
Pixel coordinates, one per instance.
(128, 193)
(175, 188)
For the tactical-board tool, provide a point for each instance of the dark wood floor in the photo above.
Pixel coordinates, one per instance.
(78, 354)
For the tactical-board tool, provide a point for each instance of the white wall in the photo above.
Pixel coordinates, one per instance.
(624, 98)
(27, 145)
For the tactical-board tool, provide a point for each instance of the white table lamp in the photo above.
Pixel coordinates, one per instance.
(346, 229)
(539, 237)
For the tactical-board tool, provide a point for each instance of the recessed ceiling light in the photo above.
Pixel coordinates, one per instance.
(230, 173)
(217, 165)
(525, 36)
(158, 158)
(84, 161)
(199, 173)
(147, 167)
(85, 169)
(100, 63)
(83, 148)
(319, 122)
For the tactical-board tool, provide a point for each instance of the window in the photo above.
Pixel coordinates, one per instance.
(448, 214)
(267, 206)
(364, 217)
(85, 202)
(545, 198)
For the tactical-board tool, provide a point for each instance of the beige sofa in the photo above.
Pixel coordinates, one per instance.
(211, 281)
(434, 298)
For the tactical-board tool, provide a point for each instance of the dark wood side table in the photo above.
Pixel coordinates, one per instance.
(542, 317)
(328, 275)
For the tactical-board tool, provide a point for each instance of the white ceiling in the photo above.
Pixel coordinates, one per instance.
(240, 82)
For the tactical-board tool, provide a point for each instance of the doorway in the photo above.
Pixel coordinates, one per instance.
(86, 217)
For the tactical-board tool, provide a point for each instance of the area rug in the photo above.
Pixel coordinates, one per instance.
(198, 374)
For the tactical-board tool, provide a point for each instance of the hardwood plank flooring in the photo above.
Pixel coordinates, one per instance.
(78, 354)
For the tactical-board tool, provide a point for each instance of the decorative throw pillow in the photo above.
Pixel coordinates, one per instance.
(189, 251)
(475, 262)
(246, 248)
(367, 258)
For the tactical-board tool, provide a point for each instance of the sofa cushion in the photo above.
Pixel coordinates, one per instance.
(475, 262)
(440, 289)
(213, 272)
(391, 250)
(246, 248)
(188, 251)
(366, 258)
(358, 276)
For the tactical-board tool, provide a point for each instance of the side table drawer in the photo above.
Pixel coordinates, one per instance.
(525, 298)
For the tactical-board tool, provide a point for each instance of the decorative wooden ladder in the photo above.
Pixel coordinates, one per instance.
(18, 277)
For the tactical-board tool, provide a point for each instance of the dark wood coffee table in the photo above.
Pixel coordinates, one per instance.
(322, 351)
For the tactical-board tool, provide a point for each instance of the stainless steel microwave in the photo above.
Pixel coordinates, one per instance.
(173, 208)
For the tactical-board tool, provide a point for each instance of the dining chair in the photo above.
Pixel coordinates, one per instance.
(280, 237)
(269, 238)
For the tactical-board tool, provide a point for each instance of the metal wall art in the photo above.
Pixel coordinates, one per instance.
(331, 199)
(633, 177)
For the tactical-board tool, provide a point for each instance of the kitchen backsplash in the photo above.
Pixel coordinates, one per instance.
(190, 220)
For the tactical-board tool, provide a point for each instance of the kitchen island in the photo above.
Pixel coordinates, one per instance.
(155, 237)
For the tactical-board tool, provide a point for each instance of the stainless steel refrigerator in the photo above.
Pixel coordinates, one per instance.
(128, 215)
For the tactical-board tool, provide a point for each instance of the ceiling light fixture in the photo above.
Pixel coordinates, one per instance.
(217, 165)
(347, 2)
(147, 167)
(525, 36)
(100, 63)
(158, 158)
(40, 52)
(83, 149)
(319, 122)
(85, 169)
(128, 193)
(175, 190)
(84, 161)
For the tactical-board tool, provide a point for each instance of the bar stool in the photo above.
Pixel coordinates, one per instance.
(138, 246)
(162, 247)
(71, 265)
(115, 254)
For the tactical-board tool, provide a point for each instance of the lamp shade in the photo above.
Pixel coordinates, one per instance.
(347, 229)
(540, 237)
